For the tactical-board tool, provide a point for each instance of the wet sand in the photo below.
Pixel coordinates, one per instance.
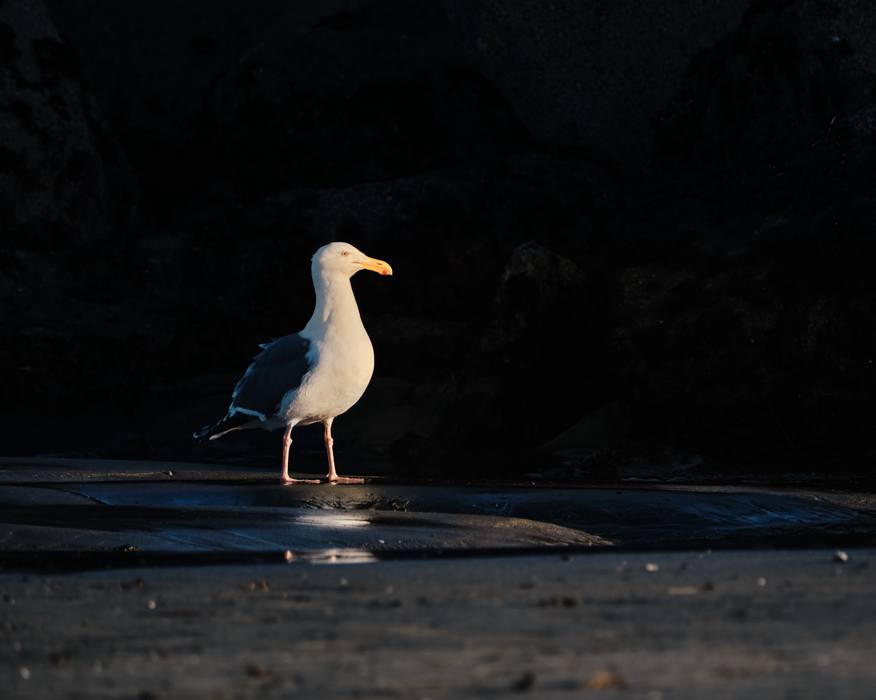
(56, 508)
(722, 624)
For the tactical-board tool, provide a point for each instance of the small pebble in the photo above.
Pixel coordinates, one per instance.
(651, 567)
(840, 556)
(684, 590)
(152, 605)
(59, 658)
(289, 556)
(24, 672)
(524, 682)
(605, 680)
(257, 670)
(761, 581)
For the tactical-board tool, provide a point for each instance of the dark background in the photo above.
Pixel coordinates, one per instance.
(630, 239)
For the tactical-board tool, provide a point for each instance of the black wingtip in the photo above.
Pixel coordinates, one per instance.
(203, 433)
(211, 431)
(226, 424)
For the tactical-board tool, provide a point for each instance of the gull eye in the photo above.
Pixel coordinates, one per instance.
(345, 252)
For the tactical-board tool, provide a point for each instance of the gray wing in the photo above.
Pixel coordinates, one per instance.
(279, 368)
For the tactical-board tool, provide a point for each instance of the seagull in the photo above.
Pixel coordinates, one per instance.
(314, 375)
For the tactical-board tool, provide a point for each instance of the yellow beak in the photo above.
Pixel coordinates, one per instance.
(375, 265)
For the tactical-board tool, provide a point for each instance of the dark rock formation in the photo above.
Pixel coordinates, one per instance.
(686, 187)
(775, 86)
(67, 202)
(592, 74)
(65, 183)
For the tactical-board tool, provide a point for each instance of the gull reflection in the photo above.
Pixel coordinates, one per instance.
(342, 556)
(330, 556)
(330, 519)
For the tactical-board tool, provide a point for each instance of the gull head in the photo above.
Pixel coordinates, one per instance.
(346, 260)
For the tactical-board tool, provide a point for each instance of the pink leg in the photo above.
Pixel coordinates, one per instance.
(332, 475)
(284, 474)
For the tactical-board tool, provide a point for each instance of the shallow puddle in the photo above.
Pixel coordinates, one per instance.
(128, 519)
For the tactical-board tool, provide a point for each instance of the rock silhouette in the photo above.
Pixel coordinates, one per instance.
(687, 189)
